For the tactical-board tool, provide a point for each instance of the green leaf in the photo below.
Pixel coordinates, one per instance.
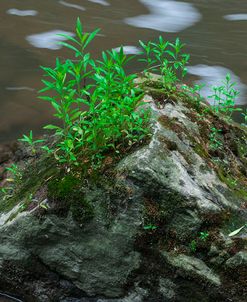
(91, 37)
(234, 233)
(52, 127)
(69, 46)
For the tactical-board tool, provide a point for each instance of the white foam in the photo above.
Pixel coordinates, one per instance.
(236, 17)
(166, 15)
(102, 2)
(22, 13)
(48, 39)
(72, 5)
(129, 50)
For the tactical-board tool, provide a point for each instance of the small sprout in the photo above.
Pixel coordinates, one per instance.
(203, 236)
(214, 138)
(30, 141)
(193, 245)
(150, 227)
(224, 97)
(16, 174)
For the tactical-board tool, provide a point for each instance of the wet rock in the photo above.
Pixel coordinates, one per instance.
(167, 288)
(125, 236)
(192, 267)
(238, 260)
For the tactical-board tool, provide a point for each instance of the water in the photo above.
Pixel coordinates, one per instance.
(214, 30)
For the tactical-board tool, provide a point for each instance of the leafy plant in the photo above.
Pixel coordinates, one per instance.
(6, 192)
(16, 174)
(112, 117)
(203, 236)
(224, 97)
(30, 141)
(194, 92)
(214, 138)
(167, 59)
(193, 245)
(12, 181)
(244, 114)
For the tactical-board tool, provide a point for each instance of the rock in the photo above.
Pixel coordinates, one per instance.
(214, 251)
(185, 225)
(192, 267)
(167, 288)
(125, 235)
(238, 260)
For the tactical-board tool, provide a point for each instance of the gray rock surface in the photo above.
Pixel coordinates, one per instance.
(192, 267)
(237, 261)
(112, 257)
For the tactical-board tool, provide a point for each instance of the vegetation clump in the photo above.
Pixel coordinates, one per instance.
(101, 112)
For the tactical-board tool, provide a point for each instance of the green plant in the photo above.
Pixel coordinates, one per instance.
(15, 172)
(15, 176)
(166, 58)
(214, 138)
(224, 97)
(193, 245)
(113, 117)
(6, 192)
(244, 114)
(150, 227)
(194, 92)
(30, 141)
(203, 236)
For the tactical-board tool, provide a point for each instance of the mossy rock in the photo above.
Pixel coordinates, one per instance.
(66, 194)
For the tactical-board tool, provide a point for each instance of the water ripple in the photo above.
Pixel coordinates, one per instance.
(129, 50)
(48, 39)
(236, 17)
(22, 13)
(102, 2)
(72, 5)
(166, 15)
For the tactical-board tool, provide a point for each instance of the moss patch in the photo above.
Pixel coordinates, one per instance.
(66, 194)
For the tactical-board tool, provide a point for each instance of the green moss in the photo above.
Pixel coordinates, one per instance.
(66, 193)
(153, 84)
(241, 193)
(157, 94)
(32, 179)
(233, 183)
(201, 151)
(63, 188)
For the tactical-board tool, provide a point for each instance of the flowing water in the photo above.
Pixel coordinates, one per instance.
(215, 32)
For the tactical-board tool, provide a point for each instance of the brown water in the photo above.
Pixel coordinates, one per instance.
(215, 32)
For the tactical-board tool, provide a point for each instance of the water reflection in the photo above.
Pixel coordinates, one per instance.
(236, 17)
(48, 39)
(28, 41)
(76, 6)
(22, 13)
(102, 2)
(20, 88)
(169, 16)
(213, 76)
